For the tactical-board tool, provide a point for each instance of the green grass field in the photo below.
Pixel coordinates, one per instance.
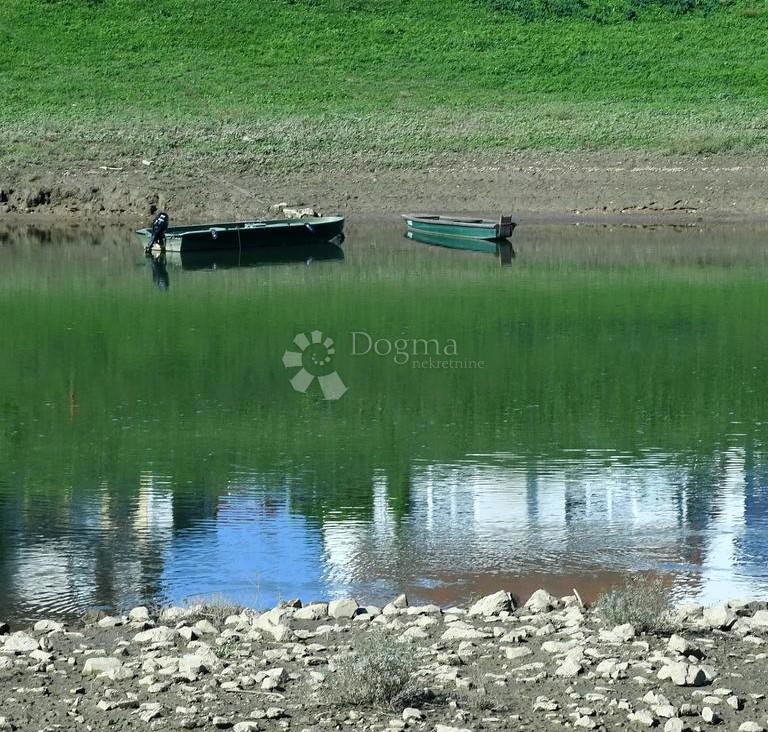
(387, 80)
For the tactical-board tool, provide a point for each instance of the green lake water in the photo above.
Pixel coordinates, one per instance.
(596, 408)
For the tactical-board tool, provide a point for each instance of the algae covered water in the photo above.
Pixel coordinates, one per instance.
(392, 417)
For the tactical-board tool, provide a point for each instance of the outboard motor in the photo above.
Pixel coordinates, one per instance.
(159, 227)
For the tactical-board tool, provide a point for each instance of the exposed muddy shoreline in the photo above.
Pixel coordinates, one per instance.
(548, 186)
(490, 665)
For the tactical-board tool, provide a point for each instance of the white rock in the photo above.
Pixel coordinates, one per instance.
(461, 631)
(205, 627)
(540, 602)
(425, 621)
(689, 611)
(759, 620)
(139, 614)
(414, 633)
(709, 715)
(161, 634)
(683, 674)
(446, 728)
(317, 611)
(750, 727)
(412, 713)
(192, 664)
(280, 633)
(735, 702)
(150, 711)
(624, 632)
(558, 646)
(19, 642)
(400, 601)
(109, 621)
(6, 663)
(97, 665)
(48, 626)
(247, 726)
(298, 213)
(653, 698)
(665, 710)
(424, 610)
(514, 652)
(678, 644)
(492, 604)
(642, 718)
(675, 724)
(175, 614)
(611, 667)
(342, 608)
(585, 723)
(719, 617)
(569, 668)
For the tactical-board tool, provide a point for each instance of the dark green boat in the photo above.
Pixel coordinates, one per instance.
(484, 229)
(502, 248)
(251, 234)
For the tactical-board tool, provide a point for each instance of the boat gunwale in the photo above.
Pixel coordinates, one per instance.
(474, 223)
(176, 232)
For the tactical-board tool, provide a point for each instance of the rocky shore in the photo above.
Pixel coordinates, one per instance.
(550, 663)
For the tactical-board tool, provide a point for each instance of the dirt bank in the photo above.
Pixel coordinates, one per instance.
(578, 185)
(489, 666)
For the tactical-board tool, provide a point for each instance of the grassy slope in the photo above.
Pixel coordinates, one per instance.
(235, 79)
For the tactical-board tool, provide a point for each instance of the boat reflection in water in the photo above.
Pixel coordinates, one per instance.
(258, 257)
(232, 258)
(502, 248)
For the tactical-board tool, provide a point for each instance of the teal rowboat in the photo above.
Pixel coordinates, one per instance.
(465, 227)
(251, 234)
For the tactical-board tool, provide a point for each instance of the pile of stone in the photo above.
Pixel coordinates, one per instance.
(492, 665)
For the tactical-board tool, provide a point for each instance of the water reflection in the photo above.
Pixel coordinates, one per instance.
(257, 257)
(618, 425)
(568, 522)
(157, 262)
(501, 248)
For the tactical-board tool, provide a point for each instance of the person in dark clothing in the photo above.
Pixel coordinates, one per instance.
(158, 229)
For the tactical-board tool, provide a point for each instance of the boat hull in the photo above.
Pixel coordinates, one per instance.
(483, 229)
(251, 234)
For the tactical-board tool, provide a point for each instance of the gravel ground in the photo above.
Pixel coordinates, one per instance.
(490, 666)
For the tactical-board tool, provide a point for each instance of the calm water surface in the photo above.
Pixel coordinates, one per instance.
(596, 408)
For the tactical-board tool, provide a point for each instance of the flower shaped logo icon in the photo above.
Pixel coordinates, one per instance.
(314, 359)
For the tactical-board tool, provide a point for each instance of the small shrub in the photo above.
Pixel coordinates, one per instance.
(483, 694)
(216, 608)
(377, 673)
(646, 604)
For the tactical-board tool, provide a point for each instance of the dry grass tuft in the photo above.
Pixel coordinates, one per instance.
(646, 604)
